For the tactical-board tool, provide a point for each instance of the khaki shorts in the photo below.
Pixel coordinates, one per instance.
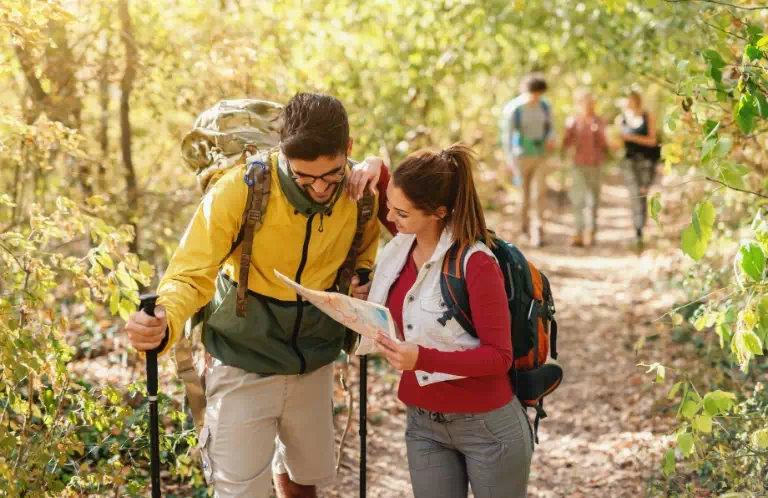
(255, 425)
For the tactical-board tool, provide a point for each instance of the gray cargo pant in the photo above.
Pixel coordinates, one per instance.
(491, 451)
(639, 175)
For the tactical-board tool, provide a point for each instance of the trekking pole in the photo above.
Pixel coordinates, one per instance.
(148, 305)
(363, 419)
(364, 277)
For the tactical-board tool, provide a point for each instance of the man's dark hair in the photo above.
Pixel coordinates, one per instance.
(314, 125)
(536, 84)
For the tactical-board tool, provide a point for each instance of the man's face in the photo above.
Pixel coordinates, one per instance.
(319, 178)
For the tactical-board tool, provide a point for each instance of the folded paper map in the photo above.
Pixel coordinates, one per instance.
(367, 319)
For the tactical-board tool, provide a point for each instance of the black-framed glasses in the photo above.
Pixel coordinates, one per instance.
(333, 177)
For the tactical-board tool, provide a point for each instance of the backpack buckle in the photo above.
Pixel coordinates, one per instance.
(250, 179)
(447, 315)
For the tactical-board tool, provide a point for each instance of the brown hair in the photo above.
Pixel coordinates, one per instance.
(314, 125)
(432, 179)
(633, 95)
(536, 83)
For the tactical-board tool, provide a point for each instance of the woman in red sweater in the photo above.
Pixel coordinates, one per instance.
(465, 425)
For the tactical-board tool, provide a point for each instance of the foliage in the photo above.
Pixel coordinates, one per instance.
(59, 436)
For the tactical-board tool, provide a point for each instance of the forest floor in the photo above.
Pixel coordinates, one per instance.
(607, 422)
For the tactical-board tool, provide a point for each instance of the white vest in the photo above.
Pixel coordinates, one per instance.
(423, 304)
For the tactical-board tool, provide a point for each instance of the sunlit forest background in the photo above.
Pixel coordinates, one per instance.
(663, 347)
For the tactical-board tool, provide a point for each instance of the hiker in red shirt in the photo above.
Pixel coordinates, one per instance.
(585, 134)
(465, 425)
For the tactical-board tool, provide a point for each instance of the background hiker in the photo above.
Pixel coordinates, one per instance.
(528, 136)
(464, 423)
(269, 377)
(642, 152)
(585, 134)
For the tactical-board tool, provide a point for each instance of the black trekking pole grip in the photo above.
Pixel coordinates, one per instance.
(363, 276)
(147, 304)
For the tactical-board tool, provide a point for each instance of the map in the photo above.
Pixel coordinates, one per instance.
(367, 319)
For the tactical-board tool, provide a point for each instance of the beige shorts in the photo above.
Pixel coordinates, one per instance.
(255, 425)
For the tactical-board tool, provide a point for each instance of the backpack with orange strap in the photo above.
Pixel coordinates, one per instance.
(532, 312)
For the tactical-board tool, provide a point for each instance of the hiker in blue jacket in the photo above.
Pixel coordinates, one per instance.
(528, 137)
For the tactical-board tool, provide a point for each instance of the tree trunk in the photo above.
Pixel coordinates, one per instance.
(104, 100)
(67, 106)
(126, 87)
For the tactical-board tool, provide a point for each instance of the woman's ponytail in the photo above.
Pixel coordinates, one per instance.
(444, 179)
(467, 218)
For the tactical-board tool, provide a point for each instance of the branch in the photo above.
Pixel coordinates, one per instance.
(736, 188)
(729, 33)
(14, 257)
(718, 2)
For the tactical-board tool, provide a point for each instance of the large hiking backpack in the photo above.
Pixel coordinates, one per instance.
(232, 133)
(532, 312)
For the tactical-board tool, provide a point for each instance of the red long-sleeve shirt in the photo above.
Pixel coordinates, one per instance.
(486, 386)
(382, 187)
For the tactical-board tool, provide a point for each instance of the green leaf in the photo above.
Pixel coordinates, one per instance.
(732, 179)
(759, 438)
(746, 111)
(127, 280)
(762, 42)
(703, 423)
(692, 245)
(105, 260)
(710, 127)
(723, 147)
(754, 30)
(668, 462)
(762, 105)
(707, 216)
(145, 269)
(673, 391)
(705, 320)
(654, 206)
(114, 302)
(695, 237)
(690, 408)
(749, 342)
(752, 260)
(752, 53)
(126, 308)
(718, 402)
(685, 443)
(707, 147)
(716, 63)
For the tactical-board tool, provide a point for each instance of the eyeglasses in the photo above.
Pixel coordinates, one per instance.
(333, 177)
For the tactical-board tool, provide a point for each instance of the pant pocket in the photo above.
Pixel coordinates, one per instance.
(204, 445)
(418, 442)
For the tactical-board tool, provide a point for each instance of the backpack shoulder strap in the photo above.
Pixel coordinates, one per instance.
(547, 112)
(258, 179)
(344, 275)
(517, 117)
(364, 214)
(453, 286)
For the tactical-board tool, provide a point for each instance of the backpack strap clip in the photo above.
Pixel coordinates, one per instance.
(257, 177)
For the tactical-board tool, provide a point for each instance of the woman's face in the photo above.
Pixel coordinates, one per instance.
(406, 217)
(634, 103)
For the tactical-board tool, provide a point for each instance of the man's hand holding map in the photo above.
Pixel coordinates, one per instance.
(367, 319)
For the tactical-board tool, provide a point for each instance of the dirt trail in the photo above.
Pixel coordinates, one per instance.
(601, 438)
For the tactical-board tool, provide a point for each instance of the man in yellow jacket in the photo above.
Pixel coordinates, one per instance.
(269, 384)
